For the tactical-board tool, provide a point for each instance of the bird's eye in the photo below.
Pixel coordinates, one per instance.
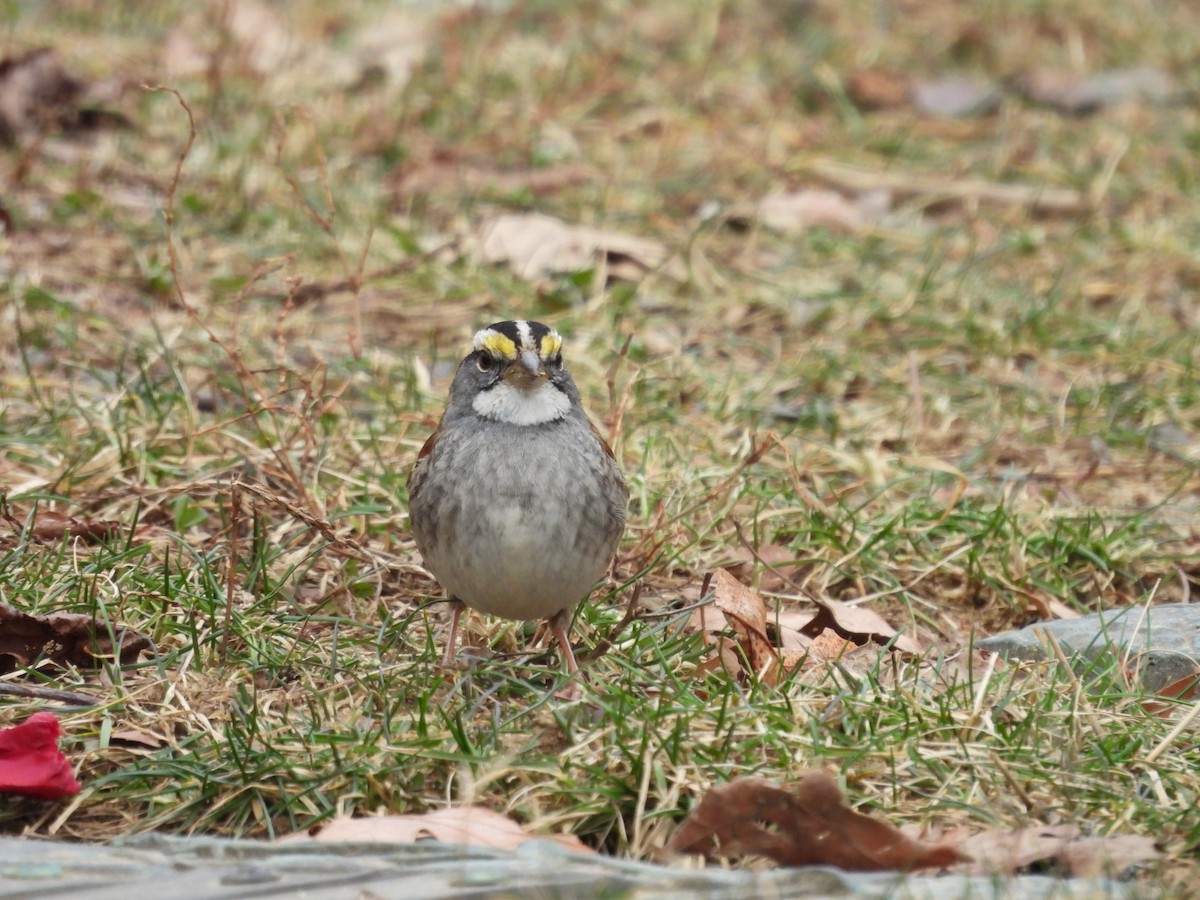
(485, 363)
(555, 361)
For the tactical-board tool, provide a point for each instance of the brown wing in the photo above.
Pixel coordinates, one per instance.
(603, 443)
(618, 494)
(414, 476)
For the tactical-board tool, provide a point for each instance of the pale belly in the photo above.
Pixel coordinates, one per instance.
(536, 535)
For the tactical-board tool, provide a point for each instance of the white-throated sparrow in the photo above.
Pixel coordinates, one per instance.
(516, 501)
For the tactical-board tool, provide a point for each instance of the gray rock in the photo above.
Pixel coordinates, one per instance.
(199, 868)
(1162, 642)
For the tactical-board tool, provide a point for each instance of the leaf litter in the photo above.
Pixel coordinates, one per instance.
(809, 825)
(770, 644)
(536, 246)
(64, 639)
(38, 95)
(473, 826)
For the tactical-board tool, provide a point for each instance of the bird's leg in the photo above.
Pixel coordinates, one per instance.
(559, 623)
(456, 607)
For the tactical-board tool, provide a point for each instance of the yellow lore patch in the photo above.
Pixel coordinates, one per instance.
(496, 344)
(551, 344)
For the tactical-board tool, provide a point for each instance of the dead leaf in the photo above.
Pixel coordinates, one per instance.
(51, 526)
(1186, 688)
(1037, 197)
(857, 623)
(873, 89)
(449, 177)
(1010, 852)
(246, 35)
(788, 624)
(534, 246)
(793, 212)
(134, 739)
(394, 43)
(737, 608)
(1076, 94)
(65, 639)
(473, 826)
(1047, 606)
(1095, 857)
(829, 645)
(38, 94)
(810, 825)
(776, 561)
(956, 97)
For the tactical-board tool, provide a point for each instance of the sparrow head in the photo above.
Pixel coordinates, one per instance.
(514, 373)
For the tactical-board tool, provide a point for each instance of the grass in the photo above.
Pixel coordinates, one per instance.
(968, 410)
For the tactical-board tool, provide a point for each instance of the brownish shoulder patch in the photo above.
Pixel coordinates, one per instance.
(600, 438)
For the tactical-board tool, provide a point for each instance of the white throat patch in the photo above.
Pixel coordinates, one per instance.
(505, 403)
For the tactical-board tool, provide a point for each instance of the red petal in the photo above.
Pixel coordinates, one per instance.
(31, 763)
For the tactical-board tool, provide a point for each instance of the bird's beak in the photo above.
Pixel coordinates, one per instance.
(527, 371)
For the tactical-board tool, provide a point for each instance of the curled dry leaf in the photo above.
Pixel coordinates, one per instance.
(38, 94)
(34, 90)
(1012, 851)
(858, 624)
(440, 176)
(842, 630)
(873, 89)
(1076, 94)
(830, 645)
(136, 739)
(793, 212)
(1038, 198)
(51, 526)
(252, 36)
(66, 639)
(737, 608)
(807, 826)
(473, 826)
(956, 97)
(1181, 690)
(535, 245)
(777, 562)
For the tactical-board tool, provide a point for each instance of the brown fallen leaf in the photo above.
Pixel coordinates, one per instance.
(52, 526)
(830, 645)
(38, 94)
(873, 89)
(794, 212)
(1095, 857)
(474, 826)
(535, 245)
(34, 90)
(1039, 198)
(858, 624)
(451, 176)
(777, 562)
(807, 826)
(956, 96)
(1182, 689)
(1047, 606)
(1077, 94)
(247, 36)
(737, 608)
(65, 639)
(1012, 851)
(135, 739)
(788, 624)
